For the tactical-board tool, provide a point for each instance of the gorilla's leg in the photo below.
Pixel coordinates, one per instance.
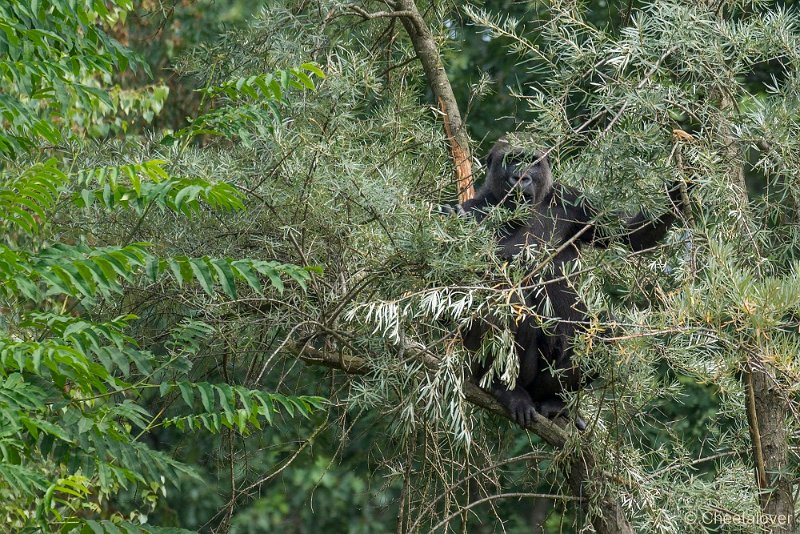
(518, 400)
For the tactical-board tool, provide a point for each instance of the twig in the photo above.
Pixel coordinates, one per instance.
(380, 14)
(504, 496)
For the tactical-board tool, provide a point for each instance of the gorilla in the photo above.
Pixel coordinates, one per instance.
(560, 218)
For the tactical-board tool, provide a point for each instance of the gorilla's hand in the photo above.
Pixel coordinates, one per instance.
(445, 209)
(522, 409)
(552, 408)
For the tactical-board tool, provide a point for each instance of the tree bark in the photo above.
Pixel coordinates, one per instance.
(766, 415)
(428, 54)
(585, 479)
(766, 406)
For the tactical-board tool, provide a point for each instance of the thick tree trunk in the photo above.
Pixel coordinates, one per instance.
(766, 415)
(766, 407)
(585, 480)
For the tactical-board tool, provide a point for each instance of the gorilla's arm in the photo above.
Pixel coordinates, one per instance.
(640, 231)
(479, 206)
(644, 232)
(476, 208)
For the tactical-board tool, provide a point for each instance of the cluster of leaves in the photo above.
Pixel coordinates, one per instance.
(254, 405)
(52, 54)
(73, 381)
(148, 184)
(65, 377)
(252, 101)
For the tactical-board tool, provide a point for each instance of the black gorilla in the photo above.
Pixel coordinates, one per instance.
(561, 219)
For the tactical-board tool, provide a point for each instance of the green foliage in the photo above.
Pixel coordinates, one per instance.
(77, 388)
(85, 368)
(220, 404)
(270, 86)
(343, 181)
(52, 51)
(124, 527)
(26, 199)
(156, 301)
(148, 183)
(85, 273)
(254, 100)
(225, 272)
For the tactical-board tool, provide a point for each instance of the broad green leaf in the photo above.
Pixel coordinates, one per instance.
(187, 392)
(225, 276)
(206, 395)
(202, 274)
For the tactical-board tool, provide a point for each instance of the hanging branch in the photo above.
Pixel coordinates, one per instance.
(585, 477)
(428, 54)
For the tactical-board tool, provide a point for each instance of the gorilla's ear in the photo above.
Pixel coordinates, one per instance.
(498, 150)
(488, 159)
(545, 158)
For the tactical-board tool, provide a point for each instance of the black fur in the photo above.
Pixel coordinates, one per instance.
(563, 220)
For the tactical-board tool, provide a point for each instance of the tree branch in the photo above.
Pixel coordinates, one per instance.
(583, 465)
(379, 14)
(428, 53)
(543, 427)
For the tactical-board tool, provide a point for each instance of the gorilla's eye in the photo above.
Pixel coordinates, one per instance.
(514, 158)
(520, 159)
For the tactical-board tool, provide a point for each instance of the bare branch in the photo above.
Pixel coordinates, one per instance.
(379, 14)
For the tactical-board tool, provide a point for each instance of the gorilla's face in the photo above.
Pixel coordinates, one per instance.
(513, 172)
(528, 173)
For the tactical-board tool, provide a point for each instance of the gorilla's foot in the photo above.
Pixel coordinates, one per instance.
(552, 408)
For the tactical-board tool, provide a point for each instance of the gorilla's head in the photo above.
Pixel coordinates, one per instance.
(513, 171)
